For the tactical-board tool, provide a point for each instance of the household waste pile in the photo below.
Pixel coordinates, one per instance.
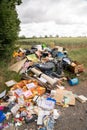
(35, 97)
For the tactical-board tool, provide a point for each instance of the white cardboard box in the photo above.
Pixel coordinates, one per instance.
(81, 98)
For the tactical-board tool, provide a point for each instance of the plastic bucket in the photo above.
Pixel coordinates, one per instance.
(73, 81)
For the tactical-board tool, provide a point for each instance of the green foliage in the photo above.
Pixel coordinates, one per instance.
(6, 75)
(9, 26)
(46, 36)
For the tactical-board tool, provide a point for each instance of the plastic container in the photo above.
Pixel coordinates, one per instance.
(2, 117)
(73, 81)
(39, 47)
(60, 55)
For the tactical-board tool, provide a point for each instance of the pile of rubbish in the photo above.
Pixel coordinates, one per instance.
(34, 98)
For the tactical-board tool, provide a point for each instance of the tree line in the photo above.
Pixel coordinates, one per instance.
(9, 27)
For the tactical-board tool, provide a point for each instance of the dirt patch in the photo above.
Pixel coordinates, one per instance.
(74, 117)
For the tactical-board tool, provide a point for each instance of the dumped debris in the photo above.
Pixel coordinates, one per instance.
(73, 81)
(34, 98)
(81, 98)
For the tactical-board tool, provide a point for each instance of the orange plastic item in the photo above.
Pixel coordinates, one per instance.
(29, 92)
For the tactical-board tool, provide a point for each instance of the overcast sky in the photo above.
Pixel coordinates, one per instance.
(53, 17)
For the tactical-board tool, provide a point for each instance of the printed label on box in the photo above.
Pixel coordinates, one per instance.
(30, 85)
(27, 93)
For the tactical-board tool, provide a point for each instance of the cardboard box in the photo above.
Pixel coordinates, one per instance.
(81, 98)
(10, 83)
(60, 94)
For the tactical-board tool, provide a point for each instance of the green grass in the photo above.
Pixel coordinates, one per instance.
(79, 55)
(6, 75)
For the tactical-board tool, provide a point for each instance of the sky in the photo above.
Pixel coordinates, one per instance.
(53, 17)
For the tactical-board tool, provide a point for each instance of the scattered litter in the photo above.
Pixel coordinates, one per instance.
(34, 98)
(76, 67)
(56, 114)
(47, 104)
(49, 122)
(62, 94)
(2, 117)
(17, 66)
(50, 80)
(81, 98)
(3, 94)
(42, 80)
(32, 58)
(15, 109)
(73, 81)
(10, 83)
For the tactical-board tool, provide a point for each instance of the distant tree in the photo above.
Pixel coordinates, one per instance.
(57, 35)
(9, 26)
(46, 36)
(22, 37)
(34, 37)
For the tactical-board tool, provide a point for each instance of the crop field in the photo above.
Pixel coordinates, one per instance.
(65, 42)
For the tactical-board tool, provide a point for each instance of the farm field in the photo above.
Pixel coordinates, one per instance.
(66, 42)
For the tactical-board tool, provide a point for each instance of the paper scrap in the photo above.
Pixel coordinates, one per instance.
(30, 85)
(19, 92)
(15, 109)
(81, 98)
(27, 93)
(10, 83)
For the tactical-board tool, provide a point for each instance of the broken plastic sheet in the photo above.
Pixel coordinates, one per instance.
(3, 94)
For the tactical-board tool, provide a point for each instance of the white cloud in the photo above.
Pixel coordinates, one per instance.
(51, 17)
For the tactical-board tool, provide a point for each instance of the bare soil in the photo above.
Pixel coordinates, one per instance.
(74, 117)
